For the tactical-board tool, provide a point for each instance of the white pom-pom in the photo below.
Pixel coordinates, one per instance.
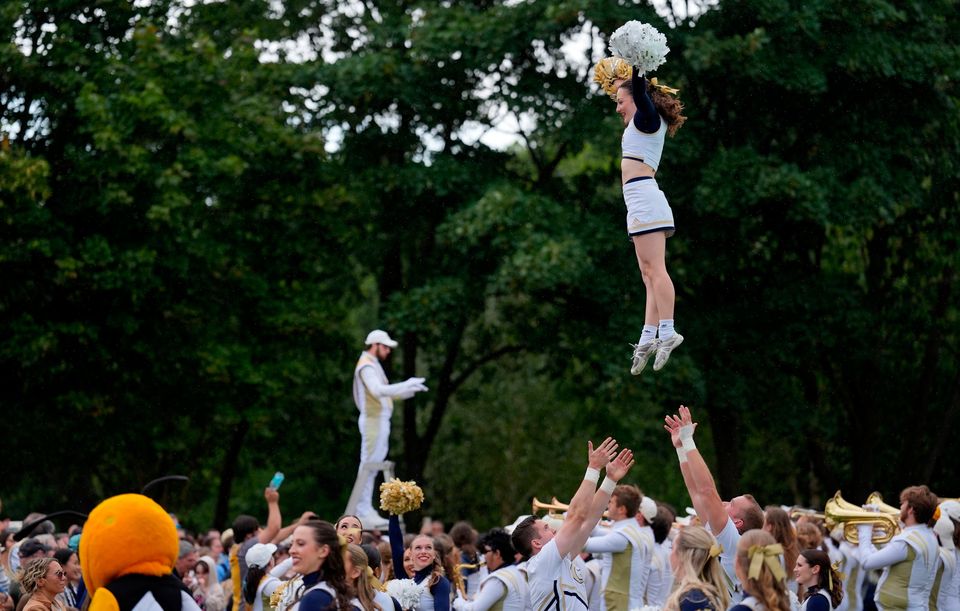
(641, 44)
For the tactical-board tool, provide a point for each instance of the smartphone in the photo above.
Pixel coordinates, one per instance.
(276, 481)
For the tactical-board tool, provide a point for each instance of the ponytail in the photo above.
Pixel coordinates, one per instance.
(252, 584)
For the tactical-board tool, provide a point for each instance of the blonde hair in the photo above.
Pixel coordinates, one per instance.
(365, 593)
(698, 568)
(31, 573)
(766, 588)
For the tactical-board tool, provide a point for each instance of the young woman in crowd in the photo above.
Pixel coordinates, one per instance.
(821, 587)
(761, 573)
(43, 580)
(426, 568)
(695, 560)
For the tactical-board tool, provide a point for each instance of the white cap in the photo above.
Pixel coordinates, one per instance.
(259, 555)
(648, 509)
(509, 528)
(380, 337)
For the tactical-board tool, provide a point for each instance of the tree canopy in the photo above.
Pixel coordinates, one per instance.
(206, 206)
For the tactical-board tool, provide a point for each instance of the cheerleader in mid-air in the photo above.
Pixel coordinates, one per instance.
(650, 112)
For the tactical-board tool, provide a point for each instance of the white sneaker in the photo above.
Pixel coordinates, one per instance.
(664, 348)
(373, 521)
(641, 354)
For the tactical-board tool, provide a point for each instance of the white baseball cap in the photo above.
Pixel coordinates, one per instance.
(380, 337)
(259, 555)
(648, 509)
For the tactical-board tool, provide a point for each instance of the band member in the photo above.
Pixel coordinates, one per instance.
(909, 560)
(627, 551)
(555, 572)
(374, 395)
(505, 587)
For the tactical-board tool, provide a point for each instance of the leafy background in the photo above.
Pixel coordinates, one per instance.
(205, 206)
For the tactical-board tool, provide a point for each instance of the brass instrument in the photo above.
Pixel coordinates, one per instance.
(458, 577)
(876, 499)
(839, 511)
(554, 508)
(797, 512)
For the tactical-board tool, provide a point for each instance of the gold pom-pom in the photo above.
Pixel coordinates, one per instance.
(608, 70)
(398, 497)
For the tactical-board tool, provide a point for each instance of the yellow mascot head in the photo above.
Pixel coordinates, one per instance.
(127, 534)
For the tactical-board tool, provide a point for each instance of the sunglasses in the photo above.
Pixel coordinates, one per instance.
(60, 574)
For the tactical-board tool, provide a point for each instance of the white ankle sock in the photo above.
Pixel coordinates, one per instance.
(666, 328)
(649, 334)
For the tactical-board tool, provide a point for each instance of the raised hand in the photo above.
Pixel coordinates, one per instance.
(603, 454)
(680, 425)
(619, 466)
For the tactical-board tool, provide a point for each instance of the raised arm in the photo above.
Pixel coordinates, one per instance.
(273, 516)
(616, 469)
(646, 119)
(580, 505)
(286, 531)
(396, 548)
(696, 475)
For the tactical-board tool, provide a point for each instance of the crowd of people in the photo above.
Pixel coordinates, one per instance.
(612, 549)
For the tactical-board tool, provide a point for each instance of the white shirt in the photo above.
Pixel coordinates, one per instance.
(555, 583)
(506, 583)
(728, 538)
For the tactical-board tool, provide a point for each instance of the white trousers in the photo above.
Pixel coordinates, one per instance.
(374, 438)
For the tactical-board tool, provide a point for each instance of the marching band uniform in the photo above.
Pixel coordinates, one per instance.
(502, 590)
(660, 580)
(627, 553)
(853, 577)
(909, 564)
(945, 594)
(373, 395)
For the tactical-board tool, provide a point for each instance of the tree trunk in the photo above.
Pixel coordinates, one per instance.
(227, 472)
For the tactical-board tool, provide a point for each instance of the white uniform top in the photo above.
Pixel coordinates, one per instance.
(648, 147)
(853, 575)
(728, 538)
(370, 405)
(555, 583)
(909, 563)
(625, 535)
(502, 590)
(660, 580)
(948, 597)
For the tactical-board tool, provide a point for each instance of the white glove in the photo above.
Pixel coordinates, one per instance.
(412, 387)
(416, 384)
(459, 602)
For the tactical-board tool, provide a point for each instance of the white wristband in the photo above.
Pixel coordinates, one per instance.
(608, 485)
(592, 475)
(682, 454)
(689, 445)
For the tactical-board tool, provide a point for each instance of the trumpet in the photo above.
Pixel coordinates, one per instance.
(797, 512)
(554, 508)
(839, 511)
(876, 499)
